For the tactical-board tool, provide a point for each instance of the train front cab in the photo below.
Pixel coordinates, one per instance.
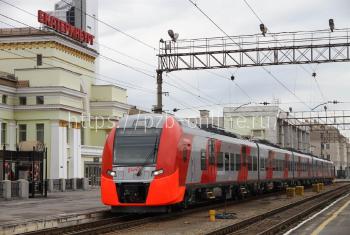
(142, 186)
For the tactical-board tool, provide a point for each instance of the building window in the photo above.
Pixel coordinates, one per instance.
(23, 100)
(4, 99)
(327, 146)
(40, 100)
(40, 132)
(39, 59)
(3, 133)
(328, 157)
(22, 132)
(258, 133)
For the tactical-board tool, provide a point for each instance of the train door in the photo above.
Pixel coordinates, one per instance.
(209, 174)
(286, 166)
(184, 161)
(193, 169)
(243, 173)
(269, 166)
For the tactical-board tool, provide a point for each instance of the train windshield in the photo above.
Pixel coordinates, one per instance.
(136, 146)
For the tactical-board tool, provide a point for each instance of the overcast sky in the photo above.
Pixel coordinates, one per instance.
(149, 20)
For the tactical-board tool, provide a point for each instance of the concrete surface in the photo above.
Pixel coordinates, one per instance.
(198, 223)
(334, 220)
(58, 209)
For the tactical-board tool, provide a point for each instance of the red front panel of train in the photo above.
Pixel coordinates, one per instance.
(162, 189)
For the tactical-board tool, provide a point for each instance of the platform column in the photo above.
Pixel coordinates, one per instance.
(11, 135)
(6, 189)
(58, 158)
(75, 151)
(23, 188)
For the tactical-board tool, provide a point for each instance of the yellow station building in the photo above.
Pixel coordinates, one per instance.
(49, 93)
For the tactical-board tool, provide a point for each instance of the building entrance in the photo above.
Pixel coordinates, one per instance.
(93, 173)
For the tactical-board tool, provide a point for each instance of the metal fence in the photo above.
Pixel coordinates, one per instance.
(14, 189)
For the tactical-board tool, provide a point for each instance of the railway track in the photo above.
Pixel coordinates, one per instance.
(277, 220)
(121, 222)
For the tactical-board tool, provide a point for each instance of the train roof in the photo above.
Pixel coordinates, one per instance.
(149, 120)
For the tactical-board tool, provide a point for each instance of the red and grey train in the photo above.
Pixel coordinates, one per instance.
(152, 162)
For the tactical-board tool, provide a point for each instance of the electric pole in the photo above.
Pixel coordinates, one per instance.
(159, 107)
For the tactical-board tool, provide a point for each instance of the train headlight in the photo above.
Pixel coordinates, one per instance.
(111, 173)
(157, 172)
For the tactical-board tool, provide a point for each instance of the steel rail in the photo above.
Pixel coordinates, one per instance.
(237, 227)
(130, 221)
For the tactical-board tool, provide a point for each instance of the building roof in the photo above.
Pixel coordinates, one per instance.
(33, 32)
(7, 79)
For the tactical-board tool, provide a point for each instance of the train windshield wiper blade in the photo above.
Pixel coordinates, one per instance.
(152, 153)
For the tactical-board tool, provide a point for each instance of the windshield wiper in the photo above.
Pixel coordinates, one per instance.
(139, 172)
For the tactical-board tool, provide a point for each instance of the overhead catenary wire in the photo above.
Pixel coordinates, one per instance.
(93, 17)
(266, 70)
(261, 21)
(100, 44)
(112, 27)
(107, 24)
(184, 104)
(105, 57)
(123, 64)
(111, 80)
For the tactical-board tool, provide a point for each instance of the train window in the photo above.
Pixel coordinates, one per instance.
(255, 163)
(227, 161)
(249, 162)
(262, 163)
(232, 161)
(203, 160)
(184, 154)
(211, 151)
(274, 165)
(238, 162)
(220, 163)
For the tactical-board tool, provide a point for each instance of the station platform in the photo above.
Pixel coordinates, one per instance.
(334, 219)
(18, 216)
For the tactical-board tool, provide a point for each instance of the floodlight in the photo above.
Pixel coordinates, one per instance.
(172, 35)
(331, 24)
(263, 29)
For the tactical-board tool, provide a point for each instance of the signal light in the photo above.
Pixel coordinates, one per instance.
(172, 35)
(263, 29)
(331, 24)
